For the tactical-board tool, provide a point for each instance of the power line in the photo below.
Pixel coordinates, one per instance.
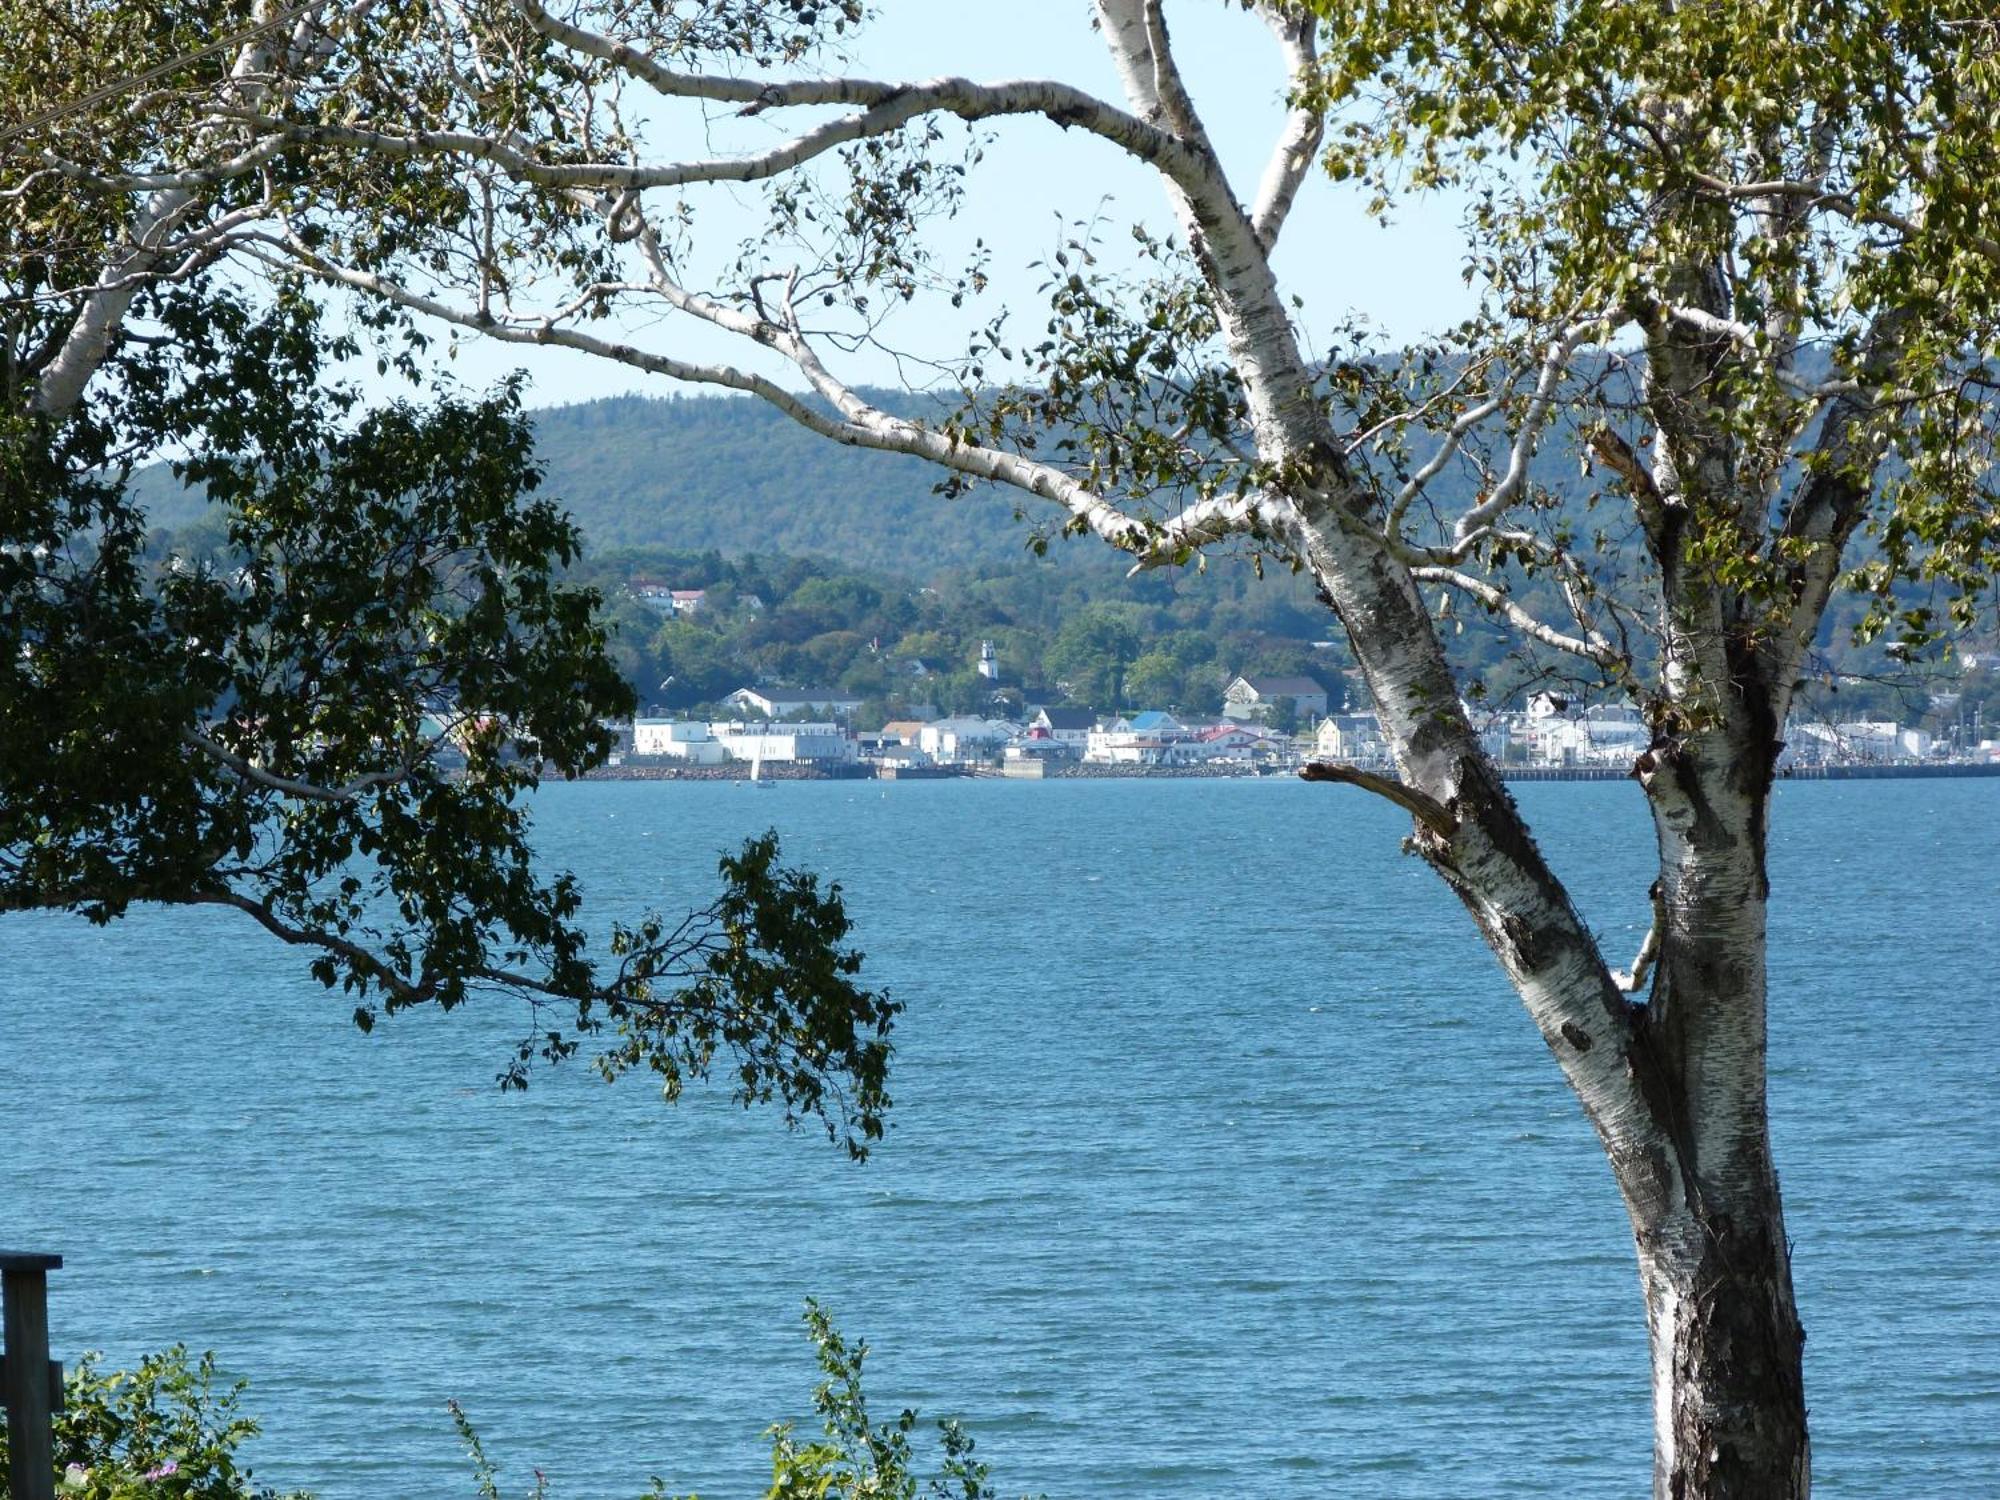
(159, 70)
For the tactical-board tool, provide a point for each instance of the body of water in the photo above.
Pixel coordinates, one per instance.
(1223, 1162)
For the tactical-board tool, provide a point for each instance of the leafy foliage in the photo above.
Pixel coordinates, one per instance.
(329, 720)
(1790, 203)
(856, 1456)
(160, 1431)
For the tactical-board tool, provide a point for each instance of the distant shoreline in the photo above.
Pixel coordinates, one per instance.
(866, 772)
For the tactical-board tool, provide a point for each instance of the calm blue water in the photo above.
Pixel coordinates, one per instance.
(1223, 1162)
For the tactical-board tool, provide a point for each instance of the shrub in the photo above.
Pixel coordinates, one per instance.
(161, 1431)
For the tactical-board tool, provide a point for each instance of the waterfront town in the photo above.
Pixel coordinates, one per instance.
(1267, 725)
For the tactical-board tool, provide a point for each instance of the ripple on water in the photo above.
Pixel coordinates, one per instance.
(1291, 1204)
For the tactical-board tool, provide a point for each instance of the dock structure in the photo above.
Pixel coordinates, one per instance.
(30, 1382)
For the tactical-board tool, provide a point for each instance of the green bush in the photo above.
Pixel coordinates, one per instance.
(162, 1431)
(856, 1458)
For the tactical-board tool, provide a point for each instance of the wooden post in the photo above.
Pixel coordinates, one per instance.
(24, 1373)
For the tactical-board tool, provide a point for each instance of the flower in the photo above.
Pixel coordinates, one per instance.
(161, 1471)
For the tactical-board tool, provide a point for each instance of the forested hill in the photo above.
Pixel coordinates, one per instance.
(732, 475)
(739, 477)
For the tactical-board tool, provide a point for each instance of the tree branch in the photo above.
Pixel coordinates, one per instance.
(1426, 810)
(1512, 483)
(1298, 144)
(307, 791)
(1592, 646)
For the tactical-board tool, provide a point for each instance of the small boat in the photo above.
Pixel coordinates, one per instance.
(757, 774)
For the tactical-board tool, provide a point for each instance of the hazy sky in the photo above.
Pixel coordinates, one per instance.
(1406, 278)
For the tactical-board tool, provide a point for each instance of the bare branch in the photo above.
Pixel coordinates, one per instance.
(1649, 950)
(1816, 195)
(307, 791)
(1057, 102)
(1514, 482)
(1758, 342)
(1592, 646)
(1616, 454)
(1261, 514)
(1298, 143)
(1426, 810)
(1454, 438)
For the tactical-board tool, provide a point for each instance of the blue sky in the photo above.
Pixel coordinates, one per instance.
(1405, 278)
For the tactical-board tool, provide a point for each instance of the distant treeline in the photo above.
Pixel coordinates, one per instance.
(1058, 634)
(726, 494)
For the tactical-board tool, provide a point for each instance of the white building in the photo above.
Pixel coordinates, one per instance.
(1125, 747)
(966, 741)
(776, 703)
(1068, 727)
(821, 744)
(1353, 738)
(1244, 744)
(1146, 739)
(677, 739)
(1258, 697)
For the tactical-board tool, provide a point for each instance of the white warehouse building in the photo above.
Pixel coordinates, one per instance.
(826, 744)
(677, 739)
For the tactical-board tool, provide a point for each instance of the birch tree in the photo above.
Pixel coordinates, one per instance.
(1738, 263)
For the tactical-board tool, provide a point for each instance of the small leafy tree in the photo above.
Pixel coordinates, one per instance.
(856, 1456)
(330, 719)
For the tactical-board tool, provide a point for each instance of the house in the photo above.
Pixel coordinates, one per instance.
(1146, 739)
(1614, 732)
(654, 593)
(1353, 738)
(1124, 747)
(1067, 727)
(967, 740)
(1242, 744)
(677, 739)
(1547, 705)
(779, 703)
(1259, 697)
(1550, 739)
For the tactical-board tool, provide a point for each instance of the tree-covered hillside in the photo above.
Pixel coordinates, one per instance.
(861, 567)
(722, 473)
(1058, 634)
